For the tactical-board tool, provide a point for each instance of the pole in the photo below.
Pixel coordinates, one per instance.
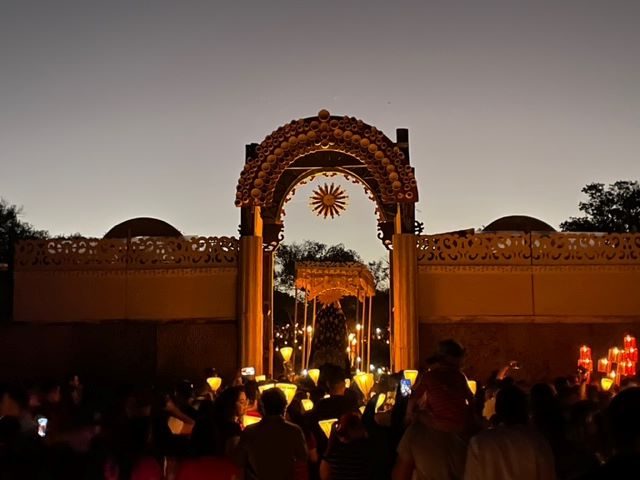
(364, 323)
(295, 321)
(313, 330)
(369, 331)
(304, 333)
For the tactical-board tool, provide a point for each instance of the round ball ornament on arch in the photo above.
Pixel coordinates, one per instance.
(390, 176)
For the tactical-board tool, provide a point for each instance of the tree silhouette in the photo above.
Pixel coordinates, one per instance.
(615, 208)
(12, 229)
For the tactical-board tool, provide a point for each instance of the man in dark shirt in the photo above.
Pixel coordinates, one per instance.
(272, 449)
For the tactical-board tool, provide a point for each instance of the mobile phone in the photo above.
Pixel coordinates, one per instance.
(42, 426)
(248, 371)
(405, 387)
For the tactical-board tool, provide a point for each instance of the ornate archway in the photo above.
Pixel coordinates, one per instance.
(289, 155)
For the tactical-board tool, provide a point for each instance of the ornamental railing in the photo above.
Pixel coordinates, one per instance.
(529, 249)
(136, 253)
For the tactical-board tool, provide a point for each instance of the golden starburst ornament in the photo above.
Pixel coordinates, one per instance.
(328, 200)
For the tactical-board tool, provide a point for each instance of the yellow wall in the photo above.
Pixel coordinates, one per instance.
(164, 279)
(539, 275)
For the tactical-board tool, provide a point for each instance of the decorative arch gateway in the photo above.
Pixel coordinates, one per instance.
(293, 154)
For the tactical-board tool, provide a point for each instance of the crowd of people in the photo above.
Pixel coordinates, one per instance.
(439, 430)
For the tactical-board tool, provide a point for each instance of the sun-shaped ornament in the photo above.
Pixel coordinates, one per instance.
(328, 200)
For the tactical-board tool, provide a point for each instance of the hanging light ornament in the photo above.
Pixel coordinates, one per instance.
(328, 200)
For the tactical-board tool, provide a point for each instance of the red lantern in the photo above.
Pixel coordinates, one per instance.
(629, 342)
(604, 365)
(585, 353)
(632, 354)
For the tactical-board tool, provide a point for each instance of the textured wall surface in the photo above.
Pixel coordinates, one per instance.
(116, 352)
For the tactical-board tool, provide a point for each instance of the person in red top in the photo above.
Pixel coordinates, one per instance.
(434, 445)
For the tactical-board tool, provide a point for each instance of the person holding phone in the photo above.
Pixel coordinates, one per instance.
(435, 444)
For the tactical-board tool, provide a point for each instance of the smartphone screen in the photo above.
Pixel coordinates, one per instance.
(248, 371)
(405, 387)
(42, 426)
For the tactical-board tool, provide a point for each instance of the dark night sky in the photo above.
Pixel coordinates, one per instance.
(114, 109)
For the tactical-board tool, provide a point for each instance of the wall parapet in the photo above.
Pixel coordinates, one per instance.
(512, 248)
(141, 253)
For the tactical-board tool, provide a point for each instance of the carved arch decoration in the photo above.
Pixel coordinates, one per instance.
(320, 145)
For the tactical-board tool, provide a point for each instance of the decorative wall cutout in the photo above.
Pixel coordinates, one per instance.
(529, 249)
(138, 253)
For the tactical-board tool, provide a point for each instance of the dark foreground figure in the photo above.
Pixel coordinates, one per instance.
(568, 430)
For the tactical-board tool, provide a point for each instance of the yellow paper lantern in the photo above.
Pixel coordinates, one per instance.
(365, 382)
(266, 386)
(289, 390)
(362, 409)
(326, 425)
(250, 420)
(473, 386)
(286, 353)
(411, 375)
(314, 374)
(307, 404)
(606, 383)
(381, 399)
(261, 378)
(214, 383)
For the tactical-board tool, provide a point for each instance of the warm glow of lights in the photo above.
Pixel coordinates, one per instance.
(358, 327)
(266, 386)
(411, 375)
(354, 341)
(289, 390)
(473, 386)
(214, 383)
(352, 336)
(309, 329)
(307, 404)
(286, 353)
(347, 382)
(326, 425)
(250, 420)
(381, 399)
(314, 374)
(365, 382)
(606, 383)
(175, 425)
(261, 378)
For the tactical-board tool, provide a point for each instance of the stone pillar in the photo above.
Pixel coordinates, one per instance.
(250, 308)
(405, 319)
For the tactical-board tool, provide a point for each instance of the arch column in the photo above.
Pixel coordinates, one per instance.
(251, 322)
(405, 319)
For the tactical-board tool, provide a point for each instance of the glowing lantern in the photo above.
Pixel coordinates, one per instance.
(289, 390)
(266, 386)
(314, 374)
(261, 378)
(365, 382)
(250, 420)
(347, 382)
(362, 409)
(606, 383)
(614, 355)
(307, 404)
(175, 425)
(629, 342)
(286, 353)
(326, 425)
(585, 353)
(632, 354)
(603, 365)
(214, 383)
(381, 398)
(411, 375)
(473, 386)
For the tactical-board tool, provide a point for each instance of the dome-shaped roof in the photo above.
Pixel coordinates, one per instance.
(518, 223)
(143, 227)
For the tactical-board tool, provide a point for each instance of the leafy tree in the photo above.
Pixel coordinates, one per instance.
(615, 208)
(288, 255)
(12, 228)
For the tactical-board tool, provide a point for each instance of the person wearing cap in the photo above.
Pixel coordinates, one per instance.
(434, 445)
